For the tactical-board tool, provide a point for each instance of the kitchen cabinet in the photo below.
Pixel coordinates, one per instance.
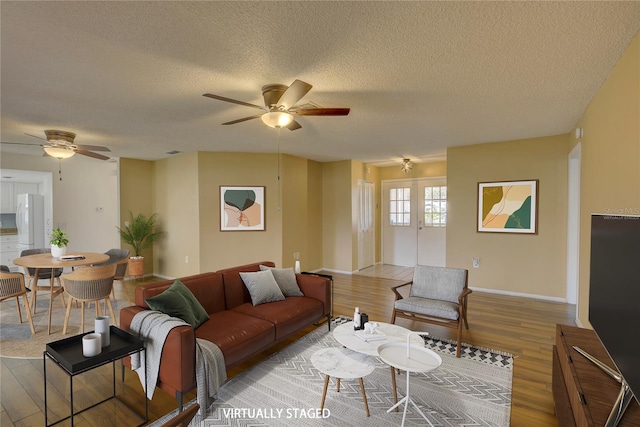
(7, 198)
(9, 251)
(24, 188)
(9, 191)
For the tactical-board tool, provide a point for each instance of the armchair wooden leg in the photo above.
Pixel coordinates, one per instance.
(459, 339)
(393, 316)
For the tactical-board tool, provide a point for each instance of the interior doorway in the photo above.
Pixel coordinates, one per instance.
(414, 218)
(366, 225)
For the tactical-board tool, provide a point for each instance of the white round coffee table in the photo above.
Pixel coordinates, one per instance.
(410, 358)
(346, 336)
(342, 363)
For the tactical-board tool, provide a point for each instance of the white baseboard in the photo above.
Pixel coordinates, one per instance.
(519, 294)
(333, 271)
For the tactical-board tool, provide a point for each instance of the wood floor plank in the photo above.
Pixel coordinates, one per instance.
(15, 400)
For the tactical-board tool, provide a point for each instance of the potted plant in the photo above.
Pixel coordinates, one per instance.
(140, 233)
(59, 241)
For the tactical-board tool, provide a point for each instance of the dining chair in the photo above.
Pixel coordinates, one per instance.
(43, 273)
(12, 286)
(119, 257)
(89, 284)
(438, 295)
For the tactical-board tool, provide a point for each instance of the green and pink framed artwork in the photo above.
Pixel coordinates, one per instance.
(508, 207)
(242, 208)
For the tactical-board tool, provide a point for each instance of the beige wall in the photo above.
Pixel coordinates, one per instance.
(420, 170)
(336, 216)
(186, 197)
(136, 196)
(610, 161)
(177, 200)
(301, 212)
(87, 185)
(315, 234)
(230, 248)
(518, 263)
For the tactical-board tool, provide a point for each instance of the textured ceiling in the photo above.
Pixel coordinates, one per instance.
(418, 76)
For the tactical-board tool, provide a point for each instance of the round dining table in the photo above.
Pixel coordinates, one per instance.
(46, 260)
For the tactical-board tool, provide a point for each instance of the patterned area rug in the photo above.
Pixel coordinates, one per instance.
(285, 390)
(16, 339)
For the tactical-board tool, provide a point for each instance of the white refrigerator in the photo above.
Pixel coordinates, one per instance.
(30, 221)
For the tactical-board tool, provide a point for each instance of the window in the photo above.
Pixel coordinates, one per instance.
(400, 206)
(435, 206)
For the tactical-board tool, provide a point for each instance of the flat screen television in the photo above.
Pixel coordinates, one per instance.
(614, 294)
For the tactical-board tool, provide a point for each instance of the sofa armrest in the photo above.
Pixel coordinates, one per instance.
(316, 287)
(177, 365)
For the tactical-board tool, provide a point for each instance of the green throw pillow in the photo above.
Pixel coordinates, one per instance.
(179, 301)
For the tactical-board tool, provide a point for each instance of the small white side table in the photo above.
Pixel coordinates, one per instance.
(342, 363)
(410, 358)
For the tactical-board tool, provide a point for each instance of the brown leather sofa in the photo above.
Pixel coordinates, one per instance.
(239, 329)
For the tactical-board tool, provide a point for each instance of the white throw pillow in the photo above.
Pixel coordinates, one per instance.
(286, 280)
(262, 287)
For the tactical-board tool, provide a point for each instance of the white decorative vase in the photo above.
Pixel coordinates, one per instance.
(102, 327)
(57, 251)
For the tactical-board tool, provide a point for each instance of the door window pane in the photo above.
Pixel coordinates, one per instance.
(400, 206)
(435, 206)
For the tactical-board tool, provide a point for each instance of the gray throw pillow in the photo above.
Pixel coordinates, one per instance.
(262, 287)
(286, 280)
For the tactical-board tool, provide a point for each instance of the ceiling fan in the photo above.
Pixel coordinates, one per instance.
(59, 144)
(279, 106)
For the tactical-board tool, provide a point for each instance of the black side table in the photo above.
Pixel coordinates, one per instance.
(67, 354)
(326, 276)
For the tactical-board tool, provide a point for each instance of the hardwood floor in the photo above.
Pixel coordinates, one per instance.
(521, 326)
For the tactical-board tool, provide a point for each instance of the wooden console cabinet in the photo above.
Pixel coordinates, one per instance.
(582, 392)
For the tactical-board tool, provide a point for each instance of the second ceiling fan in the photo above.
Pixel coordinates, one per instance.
(279, 106)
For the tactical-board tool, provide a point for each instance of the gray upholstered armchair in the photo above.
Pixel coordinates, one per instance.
(438, 295)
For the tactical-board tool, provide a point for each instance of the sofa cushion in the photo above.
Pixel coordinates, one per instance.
(288, 316)
(262, 287)
(235, 292)
(286, 280)
(179, 301)
(237, 335)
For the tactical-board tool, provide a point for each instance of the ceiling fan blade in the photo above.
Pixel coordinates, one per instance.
(90, 154)
(294, 125)
(92, 147)
(34, 136)
(234, 101)
(243, 119)
(19, 143)
(322, 112)
(294, 93)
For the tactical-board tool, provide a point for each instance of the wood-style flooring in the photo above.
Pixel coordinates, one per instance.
(523, 327)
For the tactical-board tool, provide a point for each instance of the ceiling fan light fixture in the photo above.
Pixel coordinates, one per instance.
(59, 152)
(277, 119)
(406, 166)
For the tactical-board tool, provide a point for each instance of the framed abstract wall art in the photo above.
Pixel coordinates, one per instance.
(508, 207)
(242, 208)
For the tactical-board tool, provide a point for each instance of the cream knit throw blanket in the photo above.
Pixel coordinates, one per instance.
(153, 327)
